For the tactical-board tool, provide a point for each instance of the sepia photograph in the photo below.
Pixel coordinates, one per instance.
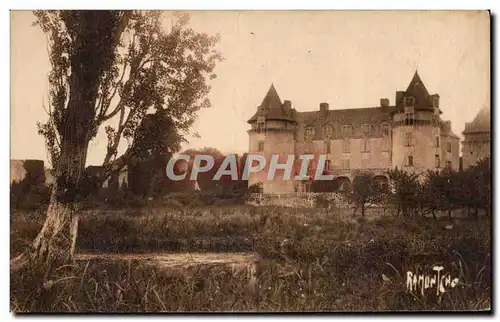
(250, 161)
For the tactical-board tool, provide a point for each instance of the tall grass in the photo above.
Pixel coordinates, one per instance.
(311, 260)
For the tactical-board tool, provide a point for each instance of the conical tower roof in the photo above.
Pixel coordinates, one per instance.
(481, 123)
(272, 99)
(417, 89)
(272, 108)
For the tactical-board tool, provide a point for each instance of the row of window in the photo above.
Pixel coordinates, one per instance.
(437, 162)
(365, 145)
(346, 131)
(410, 101)
(346, 146)
(409, 141)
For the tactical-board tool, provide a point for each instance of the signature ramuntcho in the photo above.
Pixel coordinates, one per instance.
(439, 280)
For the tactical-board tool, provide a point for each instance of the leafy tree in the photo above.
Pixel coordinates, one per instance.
(111, 66)
(404, 188)
(479, 181)
(364, 191)
(204, 179)
(155, 141)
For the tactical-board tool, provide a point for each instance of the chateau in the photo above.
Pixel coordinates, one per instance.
(408, 134)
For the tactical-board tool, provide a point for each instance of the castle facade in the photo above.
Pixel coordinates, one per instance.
(409, 134)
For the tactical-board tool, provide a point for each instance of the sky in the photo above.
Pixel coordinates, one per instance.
(349, 59)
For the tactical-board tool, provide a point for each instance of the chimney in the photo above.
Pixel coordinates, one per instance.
(323, 107)
(287, 104)
(384, 102)
(399, 96)
(435, 100)
(447, 126)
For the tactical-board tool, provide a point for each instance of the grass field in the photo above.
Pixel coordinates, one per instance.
(310, 260)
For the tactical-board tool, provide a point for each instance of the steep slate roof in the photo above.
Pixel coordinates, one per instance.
(272, 108)
(481, 123)
(353, 116)
(416, 88)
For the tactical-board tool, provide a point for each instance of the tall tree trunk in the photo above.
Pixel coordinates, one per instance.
(94, 36)
(57, 238)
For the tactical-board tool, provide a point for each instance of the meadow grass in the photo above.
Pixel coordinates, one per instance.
(311, 260)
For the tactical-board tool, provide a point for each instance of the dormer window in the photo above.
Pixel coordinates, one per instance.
(346, 130)
(409, 102)
(327, 131)
(309, 133)
(366, 128)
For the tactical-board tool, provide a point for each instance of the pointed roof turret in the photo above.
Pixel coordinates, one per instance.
(481, 123)
(417, 90)
(273, 109)
(272, 99)
(416, 85)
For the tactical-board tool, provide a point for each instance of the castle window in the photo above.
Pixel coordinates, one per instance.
(328, 165)
(261, 146)
(345, 164)
(385, 129)
(309, 133)
(409, 102)
(365, 145)
(448, 147)
(346, 131)
(366, 128)
(437, 160)
(409, 119)
(448, 165)
(409, 161)
(437, 141)
(346, 146)
(408, 139)
(327, 131)
(328, 147)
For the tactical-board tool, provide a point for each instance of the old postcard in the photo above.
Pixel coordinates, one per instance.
(250, 161)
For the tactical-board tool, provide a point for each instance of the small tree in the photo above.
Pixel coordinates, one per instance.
(204, 179)
(479, 180)
(404, 188)
(364, 191)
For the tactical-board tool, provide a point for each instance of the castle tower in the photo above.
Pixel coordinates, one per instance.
(416, 129)
(273, 129)
(477, 142)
